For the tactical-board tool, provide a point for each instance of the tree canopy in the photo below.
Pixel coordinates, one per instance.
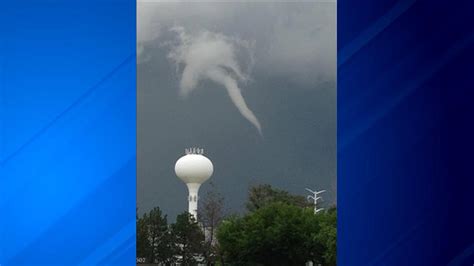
(188, 239)
(261, 195)
(277, 234)
(279, 229)
(154, 241)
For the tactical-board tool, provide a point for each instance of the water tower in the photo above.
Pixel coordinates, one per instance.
(193, 169)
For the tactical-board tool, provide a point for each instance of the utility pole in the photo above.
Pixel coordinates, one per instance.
(315, 198)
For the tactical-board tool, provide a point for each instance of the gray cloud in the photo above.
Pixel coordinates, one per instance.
(295, 41)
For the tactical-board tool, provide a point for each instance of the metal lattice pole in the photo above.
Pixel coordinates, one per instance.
(315, 198)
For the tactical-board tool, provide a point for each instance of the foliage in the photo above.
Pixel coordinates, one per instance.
(328, 235)
(188, 238)
(160, 238)
(261, 195)
(143, 246)
(154, 241)
(276, 234)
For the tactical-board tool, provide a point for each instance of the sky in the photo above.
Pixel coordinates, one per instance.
(254, 84)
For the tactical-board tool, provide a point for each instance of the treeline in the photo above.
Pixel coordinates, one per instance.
(278, 229)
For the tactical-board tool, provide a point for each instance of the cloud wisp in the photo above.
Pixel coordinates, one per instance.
(212, 56)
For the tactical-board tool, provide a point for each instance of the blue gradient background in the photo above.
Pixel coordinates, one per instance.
(67, 108)
(405, 112)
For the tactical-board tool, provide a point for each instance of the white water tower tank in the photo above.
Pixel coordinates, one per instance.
(193, 169)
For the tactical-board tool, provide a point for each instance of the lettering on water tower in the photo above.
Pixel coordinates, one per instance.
(194, 150)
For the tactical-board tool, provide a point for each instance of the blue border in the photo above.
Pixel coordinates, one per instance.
(68, 105)
(405, 108)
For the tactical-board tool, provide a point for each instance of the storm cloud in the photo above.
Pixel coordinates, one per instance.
(296, 41)
(209, 74)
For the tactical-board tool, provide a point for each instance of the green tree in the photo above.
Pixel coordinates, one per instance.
(261, 195)
(328, 235)
(188, 239)
(143, 245)
(276, 234)
(159, 237)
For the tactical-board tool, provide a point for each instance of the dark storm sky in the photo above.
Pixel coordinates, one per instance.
(291, 90)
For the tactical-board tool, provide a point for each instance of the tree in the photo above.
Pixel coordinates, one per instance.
(261, 195)
(211, 213)
(188, 239)
(275, 234)
(328, 235)
(159, 237)
(143, 245)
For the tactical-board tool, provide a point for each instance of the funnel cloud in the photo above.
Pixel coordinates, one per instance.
(212, 56)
